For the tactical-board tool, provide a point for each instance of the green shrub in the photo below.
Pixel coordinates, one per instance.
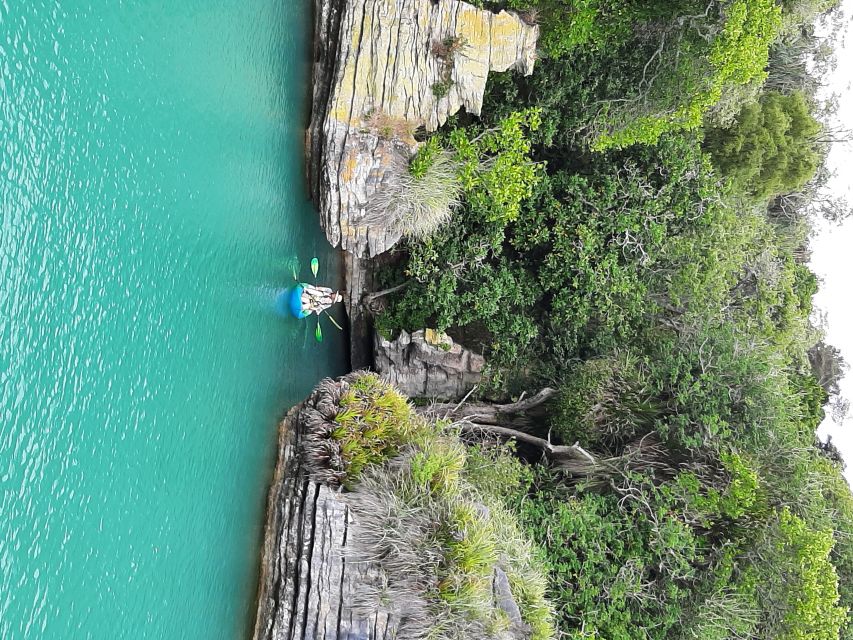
(800, 585)
(568, 25)
(605, 400)
(441, 88)
(614, 573)
(495, 167)
(691, 76)
(572, 273)
(770, 149)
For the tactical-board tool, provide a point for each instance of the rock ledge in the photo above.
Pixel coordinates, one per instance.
(375, 68)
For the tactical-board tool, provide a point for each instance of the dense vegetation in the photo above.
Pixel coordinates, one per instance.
(633, 231)
(427, 513)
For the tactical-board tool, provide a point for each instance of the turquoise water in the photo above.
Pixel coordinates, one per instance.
(151, 200)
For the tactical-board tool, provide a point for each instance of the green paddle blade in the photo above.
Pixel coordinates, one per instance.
(293, 265)
(315, 266)
(318, 333)
(329, 316)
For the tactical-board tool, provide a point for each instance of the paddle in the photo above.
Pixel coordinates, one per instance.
(333, 320)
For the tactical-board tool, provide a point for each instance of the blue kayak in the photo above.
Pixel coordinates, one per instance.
(294, 302)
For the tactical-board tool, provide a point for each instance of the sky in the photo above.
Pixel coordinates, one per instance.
(832, 246)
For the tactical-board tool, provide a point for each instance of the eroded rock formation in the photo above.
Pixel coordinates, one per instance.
(314, 583)
(427, 365)
(377, 65)
(307, 588)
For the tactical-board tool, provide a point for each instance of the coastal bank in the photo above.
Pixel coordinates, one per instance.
(376, 76)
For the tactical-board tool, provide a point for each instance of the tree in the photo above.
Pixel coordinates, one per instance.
(828, 366)
(771, 149)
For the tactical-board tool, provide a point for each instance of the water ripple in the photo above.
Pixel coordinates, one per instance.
(151, 198)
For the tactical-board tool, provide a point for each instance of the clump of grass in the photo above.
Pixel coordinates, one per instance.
(391, 127)
(427, 515)
(348, 425)
(437, 463)
(436, 558)
(446, 51)
(417, 206)
(523, 563)
(439, 546)
(449, 47)
(424, 158)
(442, 88)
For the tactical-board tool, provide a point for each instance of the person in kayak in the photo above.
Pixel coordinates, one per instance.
(318, 299)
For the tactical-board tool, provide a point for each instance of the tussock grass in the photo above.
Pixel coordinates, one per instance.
(350, 424)
(391, 127)
(439, 547)
(441, 541)
(416, 206)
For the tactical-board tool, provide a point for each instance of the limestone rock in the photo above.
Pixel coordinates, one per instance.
(374, 72)
(419, 369)
(307, 586)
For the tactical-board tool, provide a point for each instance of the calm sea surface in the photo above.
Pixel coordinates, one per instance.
(151, 207)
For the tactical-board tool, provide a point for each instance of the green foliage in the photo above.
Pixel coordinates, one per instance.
(605, 400)
(373, 422)
(495, 168)
(425, 157)
(653, 287)
(567, 25)
(803, 572)
(615, 573)
(690, 76)
(770, 149)
(571, 273)
(438, 462)
(741, 496)
(491, 168)
(442, 87)
(496, 473)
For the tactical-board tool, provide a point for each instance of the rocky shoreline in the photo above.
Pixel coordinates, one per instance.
(306, 589)
(375, 72)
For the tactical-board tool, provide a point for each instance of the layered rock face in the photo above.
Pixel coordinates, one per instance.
(314, 583)
(377, 66)
(308, 589)
(427, 365)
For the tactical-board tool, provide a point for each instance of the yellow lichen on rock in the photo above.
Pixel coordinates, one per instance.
(386, 64)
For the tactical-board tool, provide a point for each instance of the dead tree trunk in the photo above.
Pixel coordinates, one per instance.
(521, 415)
(514, 421)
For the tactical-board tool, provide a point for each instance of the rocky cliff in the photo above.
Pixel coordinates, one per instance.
(307, 589)
(380, 74)
(327, 566)
(426, 364)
